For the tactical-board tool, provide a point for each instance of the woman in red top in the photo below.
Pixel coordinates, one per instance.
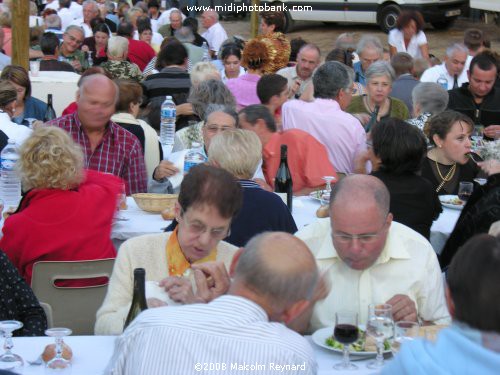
(66, 213)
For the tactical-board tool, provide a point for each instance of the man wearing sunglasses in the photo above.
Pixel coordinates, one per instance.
(367, 258)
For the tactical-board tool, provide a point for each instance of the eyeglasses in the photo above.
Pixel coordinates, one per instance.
(73, 39)
(197, 229)
(365, 239)
(214, 128)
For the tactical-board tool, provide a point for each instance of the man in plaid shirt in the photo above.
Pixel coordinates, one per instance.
(107, 147)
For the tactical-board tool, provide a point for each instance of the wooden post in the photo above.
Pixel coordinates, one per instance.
(20, 33)
(254, 19)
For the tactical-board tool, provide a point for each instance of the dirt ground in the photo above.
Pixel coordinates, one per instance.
(324, 35)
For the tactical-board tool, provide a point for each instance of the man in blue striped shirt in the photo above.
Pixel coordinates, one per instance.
(273, 279)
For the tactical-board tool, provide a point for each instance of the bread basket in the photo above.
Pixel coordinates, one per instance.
(155, 203)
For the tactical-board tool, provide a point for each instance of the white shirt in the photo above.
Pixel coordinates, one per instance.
(215, 36)
(165, 18)
(290, 73)
(4, 60)
(76, 9)
(19, 133)
(396, 40)
(66, 17)
(86, 28)
(53, 5)
(223, 74)
(230, 331)
(407, 265)
(156, 39)
(433, 74)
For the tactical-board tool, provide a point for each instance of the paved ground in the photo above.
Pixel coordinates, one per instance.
(325, 35)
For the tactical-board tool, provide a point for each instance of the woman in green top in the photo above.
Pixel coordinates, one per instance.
(379, 78)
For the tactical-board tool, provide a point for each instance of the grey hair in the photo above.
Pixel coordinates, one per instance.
(343, 41)
(91, 3)
(213, 14)
(117, 46)
(456, 47)
(133, 11)
(5, 16)
(330, 78)
(369, 41)
(380, 68)
(174, 11)
(280, 288)
(110, 6)
(362, 186)
(53, 21)
(431, 97)
(184, 35)
(210, 91)
(228, 110)
(74, 27)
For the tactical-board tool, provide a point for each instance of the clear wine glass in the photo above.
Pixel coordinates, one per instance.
(30, 120)
(346, 332)
(403, 331)
(380, 326)
(9, 360)
(328, 180)
(465, 189)
(58, 363)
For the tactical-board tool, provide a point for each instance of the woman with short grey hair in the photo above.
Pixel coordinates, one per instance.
(429, 99)
(377, 104)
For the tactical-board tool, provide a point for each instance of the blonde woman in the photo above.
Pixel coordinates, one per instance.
(66, 212)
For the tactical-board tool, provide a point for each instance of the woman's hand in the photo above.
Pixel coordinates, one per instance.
(490, 167)
(179, 289)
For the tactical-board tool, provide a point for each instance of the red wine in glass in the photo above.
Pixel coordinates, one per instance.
(464, 196)
(345, 333)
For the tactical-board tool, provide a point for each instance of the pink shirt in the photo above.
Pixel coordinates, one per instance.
(341, 133)
(244, 89)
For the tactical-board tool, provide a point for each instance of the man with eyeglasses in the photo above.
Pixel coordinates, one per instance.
(367, 258)
(69, 50)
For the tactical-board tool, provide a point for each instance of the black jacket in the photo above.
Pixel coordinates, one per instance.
(487, 113)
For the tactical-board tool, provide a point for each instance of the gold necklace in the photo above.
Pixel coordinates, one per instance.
(447, 178)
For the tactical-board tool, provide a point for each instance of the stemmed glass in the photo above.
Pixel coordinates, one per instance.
(30, 120)
(403, 331)
(346, 332)
(325, 195)
(9, 360)
(58, 363)
(380, 326)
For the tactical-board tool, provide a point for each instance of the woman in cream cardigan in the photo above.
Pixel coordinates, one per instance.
(208, 200)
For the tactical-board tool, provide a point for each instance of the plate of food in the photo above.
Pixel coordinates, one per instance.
(452, 201)
(364, 347)
(320, 195)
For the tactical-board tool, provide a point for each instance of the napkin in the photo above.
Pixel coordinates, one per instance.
(177, 159)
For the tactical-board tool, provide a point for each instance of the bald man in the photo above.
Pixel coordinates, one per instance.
(107, 147)
(273, 278)
(368, 258)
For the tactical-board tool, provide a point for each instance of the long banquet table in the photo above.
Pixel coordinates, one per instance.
(92, 353)
(138, 222)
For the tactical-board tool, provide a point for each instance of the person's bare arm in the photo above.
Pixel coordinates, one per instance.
(424, 50)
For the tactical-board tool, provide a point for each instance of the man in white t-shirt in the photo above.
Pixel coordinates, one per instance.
(215, 34)
(452, 69)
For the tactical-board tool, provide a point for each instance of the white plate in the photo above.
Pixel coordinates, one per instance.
(447, 199)
(319, 338)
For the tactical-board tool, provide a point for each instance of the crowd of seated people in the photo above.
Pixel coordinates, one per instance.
(394, 131)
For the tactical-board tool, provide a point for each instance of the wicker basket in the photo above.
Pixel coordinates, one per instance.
(155, 203)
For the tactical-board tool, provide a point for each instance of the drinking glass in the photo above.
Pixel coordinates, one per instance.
(328, 180)
(403, 331)
(30, 120)
(35, 68)
(58, 363)
(9, 360)
(465, 190)
(380, 326)
(346, 332)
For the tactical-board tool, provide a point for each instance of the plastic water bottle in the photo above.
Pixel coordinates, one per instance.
(206, 53)
(194, 157)
(167, 125)
(443, 82)
(10, 184)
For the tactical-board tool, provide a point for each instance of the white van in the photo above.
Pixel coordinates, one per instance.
(440, 13)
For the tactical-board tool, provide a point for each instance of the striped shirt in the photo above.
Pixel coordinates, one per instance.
(119, 152)
(230, 335)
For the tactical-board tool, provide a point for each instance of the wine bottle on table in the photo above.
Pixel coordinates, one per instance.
(139, 298)
(373, 118)
(283, 180)
(50, 114)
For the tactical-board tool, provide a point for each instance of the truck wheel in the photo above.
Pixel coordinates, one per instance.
(387, 17)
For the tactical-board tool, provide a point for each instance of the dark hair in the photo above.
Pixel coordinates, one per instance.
(295, 45)
(49, 43)
(230, 49)
(442, 123)
(208, 185)
(192, 23)
(128, 92)
(473, 39)
(125, 29)
(400, 146)
(406, 16)
(270, 85)
(341, 55)
(153, 4)
(143, 27)
(274, 18)
(100, 27)
(485, 61)
(474, 280)
(173, 53)
(402, 63)
(256, 112)
(18, 75)
(143, 21)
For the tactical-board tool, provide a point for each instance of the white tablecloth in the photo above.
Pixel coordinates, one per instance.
(304, 212)
(92, 353)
